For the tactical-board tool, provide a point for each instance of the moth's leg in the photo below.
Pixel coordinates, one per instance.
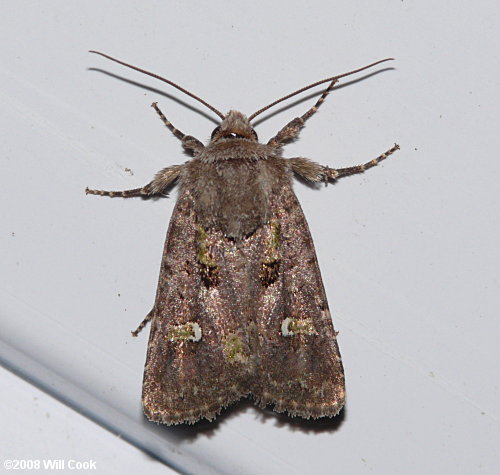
(162, 180)
(333, 174)
(312, 171)
(146, 320)
(188, 141)
(292, 129)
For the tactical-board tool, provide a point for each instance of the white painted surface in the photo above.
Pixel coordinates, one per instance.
(408, 252)
(39, 434)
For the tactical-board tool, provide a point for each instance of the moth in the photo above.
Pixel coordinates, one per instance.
(240, 309)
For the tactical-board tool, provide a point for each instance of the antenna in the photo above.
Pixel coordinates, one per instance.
(185, 91)
(333, 80)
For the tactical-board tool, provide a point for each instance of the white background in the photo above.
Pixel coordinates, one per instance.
(408, 251)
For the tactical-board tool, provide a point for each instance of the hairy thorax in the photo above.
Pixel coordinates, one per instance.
(232, 190)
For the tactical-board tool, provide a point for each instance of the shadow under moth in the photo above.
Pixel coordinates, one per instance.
(240, 308)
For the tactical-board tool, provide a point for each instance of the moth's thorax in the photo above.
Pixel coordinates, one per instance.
(235, 195)
(235, 148)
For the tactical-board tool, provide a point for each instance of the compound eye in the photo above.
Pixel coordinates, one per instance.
(255, 135)
(215, 131)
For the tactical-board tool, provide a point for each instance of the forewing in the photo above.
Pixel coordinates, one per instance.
(200, 356)
(234, 317)
(300, 369)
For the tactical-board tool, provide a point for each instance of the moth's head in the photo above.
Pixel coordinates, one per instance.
(235, 125)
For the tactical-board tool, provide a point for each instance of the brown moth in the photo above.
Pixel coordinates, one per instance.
(240, 308)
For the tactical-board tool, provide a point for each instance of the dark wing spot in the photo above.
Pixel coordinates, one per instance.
(209, 275)
(269, 273)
